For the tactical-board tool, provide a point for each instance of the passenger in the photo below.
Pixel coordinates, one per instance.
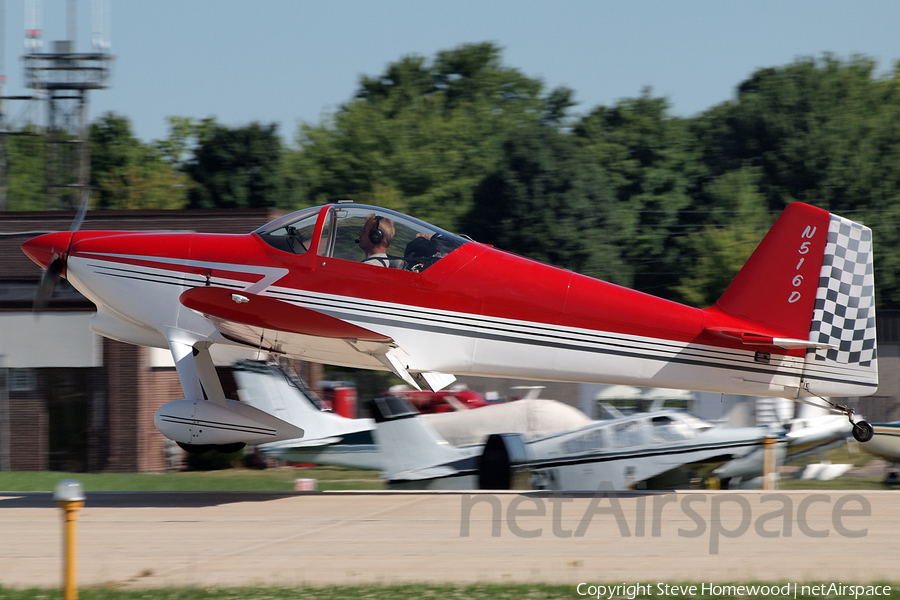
(419, 252)
(374, 238)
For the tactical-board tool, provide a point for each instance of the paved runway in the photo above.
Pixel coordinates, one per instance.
(247, 538)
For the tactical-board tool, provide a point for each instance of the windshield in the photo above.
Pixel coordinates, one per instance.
(667, 429)
(695, 423)
(293, 232)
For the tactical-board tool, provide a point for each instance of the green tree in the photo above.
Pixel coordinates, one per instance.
(185, 134)
(816, 129)
(236, 167)
(113, 144)
(421, 136)
(826, 132)
(547, 200)
(26, 175)
(144, 184)
(129, 174)
(649, 158)
(714, 250)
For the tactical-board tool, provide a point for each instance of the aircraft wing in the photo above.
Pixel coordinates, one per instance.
(227, 306)
(280, 327)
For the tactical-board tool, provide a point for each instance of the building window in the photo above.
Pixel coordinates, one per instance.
(22, 380)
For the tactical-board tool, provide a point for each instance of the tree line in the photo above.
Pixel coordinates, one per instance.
(628, 193)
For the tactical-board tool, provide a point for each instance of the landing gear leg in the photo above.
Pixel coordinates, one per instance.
(862, 430)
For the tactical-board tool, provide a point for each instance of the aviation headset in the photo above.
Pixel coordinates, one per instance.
(376, 235)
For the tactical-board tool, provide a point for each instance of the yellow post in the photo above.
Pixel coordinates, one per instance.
(769, 472)
(70, 497)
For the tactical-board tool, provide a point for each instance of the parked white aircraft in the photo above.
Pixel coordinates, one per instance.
(663, 449)
(658, 450)
(815, 429)
(539, 444)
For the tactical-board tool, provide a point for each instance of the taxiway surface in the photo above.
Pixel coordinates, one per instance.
(164, 539)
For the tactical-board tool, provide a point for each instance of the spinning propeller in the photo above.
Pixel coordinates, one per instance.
(58, 260)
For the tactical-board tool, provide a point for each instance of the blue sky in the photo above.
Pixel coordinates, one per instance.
(288, 61)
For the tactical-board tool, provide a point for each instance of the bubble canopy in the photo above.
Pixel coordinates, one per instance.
(412, 244)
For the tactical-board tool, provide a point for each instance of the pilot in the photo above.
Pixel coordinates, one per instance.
(374, 238)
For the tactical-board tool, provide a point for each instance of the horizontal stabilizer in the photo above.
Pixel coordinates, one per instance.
(269, 313)
(750, 338)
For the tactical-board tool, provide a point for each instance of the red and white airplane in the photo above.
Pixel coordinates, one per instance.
(798, 321)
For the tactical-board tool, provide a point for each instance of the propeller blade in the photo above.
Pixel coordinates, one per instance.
(82, 210)
(54, 270)
(48, 282)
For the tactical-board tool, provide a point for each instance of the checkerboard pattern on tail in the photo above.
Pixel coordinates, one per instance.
(844, 315)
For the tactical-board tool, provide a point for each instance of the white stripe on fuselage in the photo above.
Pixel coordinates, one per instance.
(270, 274)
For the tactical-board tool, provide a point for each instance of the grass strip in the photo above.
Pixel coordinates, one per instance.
(437, 591)
(276, 480)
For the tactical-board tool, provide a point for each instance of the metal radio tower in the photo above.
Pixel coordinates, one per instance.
(63, 77)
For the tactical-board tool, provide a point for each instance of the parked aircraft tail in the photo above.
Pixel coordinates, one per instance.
(810, 286)
(415, 455)
(413, 451)
(266, 386)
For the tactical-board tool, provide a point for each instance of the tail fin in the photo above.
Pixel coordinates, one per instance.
(777, 286)
(266, 386)
(413, 451)
(810, 283)
(844, 316)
